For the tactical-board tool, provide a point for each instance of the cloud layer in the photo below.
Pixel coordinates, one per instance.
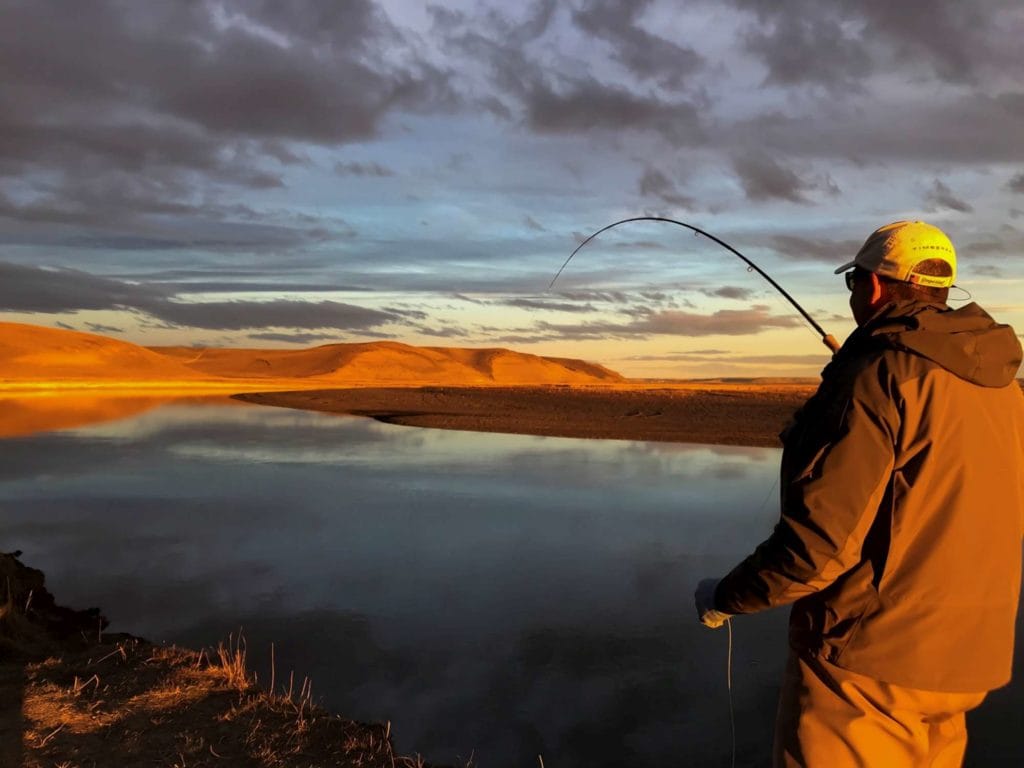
(173, 161)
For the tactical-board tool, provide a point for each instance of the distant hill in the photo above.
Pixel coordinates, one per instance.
(36, 353)
(30, 353)
(391, 363)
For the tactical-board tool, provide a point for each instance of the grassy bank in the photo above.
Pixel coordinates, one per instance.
(72, 695)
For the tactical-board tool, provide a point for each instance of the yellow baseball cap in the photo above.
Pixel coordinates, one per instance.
(894, 251)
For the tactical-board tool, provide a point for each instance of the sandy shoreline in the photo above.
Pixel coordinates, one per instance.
(719, 413)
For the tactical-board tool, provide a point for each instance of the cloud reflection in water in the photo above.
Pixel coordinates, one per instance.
(512, 595)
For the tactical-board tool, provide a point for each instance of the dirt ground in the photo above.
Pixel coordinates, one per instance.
(718, 413)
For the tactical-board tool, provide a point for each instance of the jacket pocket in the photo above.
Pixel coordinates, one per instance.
(836, 614)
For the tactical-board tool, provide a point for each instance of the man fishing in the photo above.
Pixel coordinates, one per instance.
(902, 511)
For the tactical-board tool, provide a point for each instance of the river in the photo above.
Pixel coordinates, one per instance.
(499, 597)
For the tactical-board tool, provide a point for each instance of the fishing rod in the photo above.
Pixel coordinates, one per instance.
(826, 338)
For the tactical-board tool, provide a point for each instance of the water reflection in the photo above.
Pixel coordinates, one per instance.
(45, 411)
(498, 594)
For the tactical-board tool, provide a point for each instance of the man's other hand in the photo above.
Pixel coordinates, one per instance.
(705, 600)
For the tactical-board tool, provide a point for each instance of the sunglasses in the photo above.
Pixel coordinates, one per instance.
(851, 278)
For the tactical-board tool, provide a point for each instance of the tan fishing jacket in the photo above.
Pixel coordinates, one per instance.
(902, 505)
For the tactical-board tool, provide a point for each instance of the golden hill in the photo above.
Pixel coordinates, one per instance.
(391, 363)
(35, 354)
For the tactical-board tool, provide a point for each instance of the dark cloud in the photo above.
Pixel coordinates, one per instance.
(839, 44)
(158, 156)
(244, 286)
(831, 317)
(31, 289)
(406, 312)
(499, 336)
(518, 33)
(82, 217)
(447, 332)
(533, 224)
(549, 306)
(239, 315)
(730, 292)
(641, 245)
(611, 297)
(905, 129)
(814, 248)
(561, 99)
(725, 322)
(495, 46)
(987, 270)
(537, 22)
(470, 299)
(764, 178)
(242, 84)
(159, 110)
(186, 278)
(986, 247)
(947, 34)
(728, 322)
(34, 289)
(1008, 242)
(98, 328)
(645, 55)
(657, 184)
(801, 48)
(658, 296)
(362, 169)
(293, 338)
(941, 196)
(585, 104)
(1016, 184)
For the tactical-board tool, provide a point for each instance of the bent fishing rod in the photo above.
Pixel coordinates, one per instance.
(826, 338)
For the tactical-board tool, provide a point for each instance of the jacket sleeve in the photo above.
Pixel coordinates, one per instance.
(830, 498)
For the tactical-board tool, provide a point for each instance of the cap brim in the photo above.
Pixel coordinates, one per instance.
(845, 267)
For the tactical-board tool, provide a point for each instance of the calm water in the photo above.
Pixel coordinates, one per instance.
(498, 596)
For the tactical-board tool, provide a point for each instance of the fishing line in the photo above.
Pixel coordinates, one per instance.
(767, 496)
(966, 297)
(728, 658)
(728, 685)
(827, 339)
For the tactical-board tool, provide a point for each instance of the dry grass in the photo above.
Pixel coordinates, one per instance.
(73, 698)
(133, 704)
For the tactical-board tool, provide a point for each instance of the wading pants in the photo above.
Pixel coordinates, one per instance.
(832, 718)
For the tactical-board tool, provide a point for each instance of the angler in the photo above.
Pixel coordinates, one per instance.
(899, 537)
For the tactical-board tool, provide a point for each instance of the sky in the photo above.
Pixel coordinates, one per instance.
(289, 173)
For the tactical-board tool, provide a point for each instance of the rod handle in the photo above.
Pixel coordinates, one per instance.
(830, 341)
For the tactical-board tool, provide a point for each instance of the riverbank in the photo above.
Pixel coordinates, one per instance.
(72, 695)
(719, 412)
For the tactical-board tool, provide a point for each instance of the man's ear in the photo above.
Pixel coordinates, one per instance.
(877, 289)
